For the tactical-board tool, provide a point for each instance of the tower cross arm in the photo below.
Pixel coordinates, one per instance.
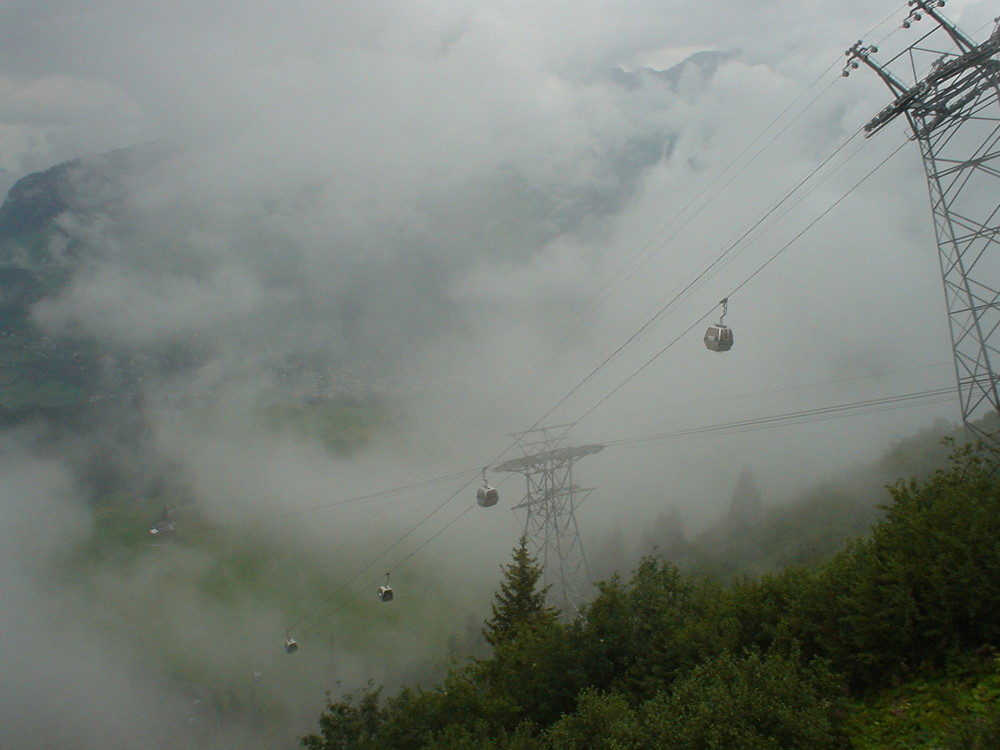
(859, 53)
(919, 7)
(933, 93)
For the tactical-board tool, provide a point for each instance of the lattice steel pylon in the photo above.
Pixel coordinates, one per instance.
(550, 504)
(953, 110)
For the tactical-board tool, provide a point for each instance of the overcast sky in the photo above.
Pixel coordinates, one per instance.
(83, 78)
(492, 199)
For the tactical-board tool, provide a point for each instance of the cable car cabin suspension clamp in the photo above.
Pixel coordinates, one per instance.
(487, 496)
(719, 338)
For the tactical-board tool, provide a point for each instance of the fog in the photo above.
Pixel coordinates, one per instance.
(489, 216)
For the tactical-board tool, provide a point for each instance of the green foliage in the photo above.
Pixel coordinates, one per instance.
(762, 701)
(519, 606)
(922, 585)
(666, 660)
(753, 614)
(941, 538)
(495, 702)
(602, 721)
(348, 723)
(533, 673)
(923, 453)
(461, 738)
(462, 706)
(767, 701)
(537, 675)
(638, 638)
(812, 527)
(955, 710)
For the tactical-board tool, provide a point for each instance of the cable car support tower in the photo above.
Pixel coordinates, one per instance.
(952, 111)
(550, 503)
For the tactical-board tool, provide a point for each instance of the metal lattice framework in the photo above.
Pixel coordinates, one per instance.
(952, 110)
(550, 504)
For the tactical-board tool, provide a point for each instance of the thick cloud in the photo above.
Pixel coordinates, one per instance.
(470, 207)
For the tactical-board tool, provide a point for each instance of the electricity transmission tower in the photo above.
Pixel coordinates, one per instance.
(550, 503)
(948, 89)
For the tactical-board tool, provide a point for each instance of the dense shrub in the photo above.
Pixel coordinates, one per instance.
(761, 701)
(920, 587)
(668, 661)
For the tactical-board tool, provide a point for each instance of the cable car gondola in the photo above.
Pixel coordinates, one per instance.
(164, 525)
(385, 591)
(486, 495)
(290, 645)
(719, 338)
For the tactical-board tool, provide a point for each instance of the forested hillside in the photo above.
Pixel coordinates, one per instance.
(891, 643)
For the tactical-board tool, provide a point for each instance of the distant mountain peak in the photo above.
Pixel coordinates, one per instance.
(81, 185)
(705, 62)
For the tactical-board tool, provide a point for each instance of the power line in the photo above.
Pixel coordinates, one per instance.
(400, 490)
(696, 432)
(351, 501)
(824, 413)
(739, 286)
(427, 517)
(654, 245)
(378, 557)
(787, 389)
(907, 400)
(371, 585)
(711, 268)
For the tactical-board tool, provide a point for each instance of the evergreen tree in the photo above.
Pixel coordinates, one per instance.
(519, 606)
(745, 505)
(611, 554)
(666, 536)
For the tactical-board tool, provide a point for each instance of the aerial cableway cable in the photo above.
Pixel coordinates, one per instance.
(351, 501)
(372, 563)
(835, 411)
(742, 238)
(739, 286)
(654, 245)
(471, 472)
(621, 348)
(721, 259)
(836, 381)
(887, 403)
(336, 592)
(377, 559)
(395, 491)
(370, 585)
(651, 247)
(703, 274)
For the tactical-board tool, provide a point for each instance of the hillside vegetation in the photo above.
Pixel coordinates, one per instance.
(890, 643)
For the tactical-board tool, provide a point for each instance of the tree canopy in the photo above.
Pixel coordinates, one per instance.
(668, 660)
(519, 605)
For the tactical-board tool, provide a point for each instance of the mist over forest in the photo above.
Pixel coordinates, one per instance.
(293, 276)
